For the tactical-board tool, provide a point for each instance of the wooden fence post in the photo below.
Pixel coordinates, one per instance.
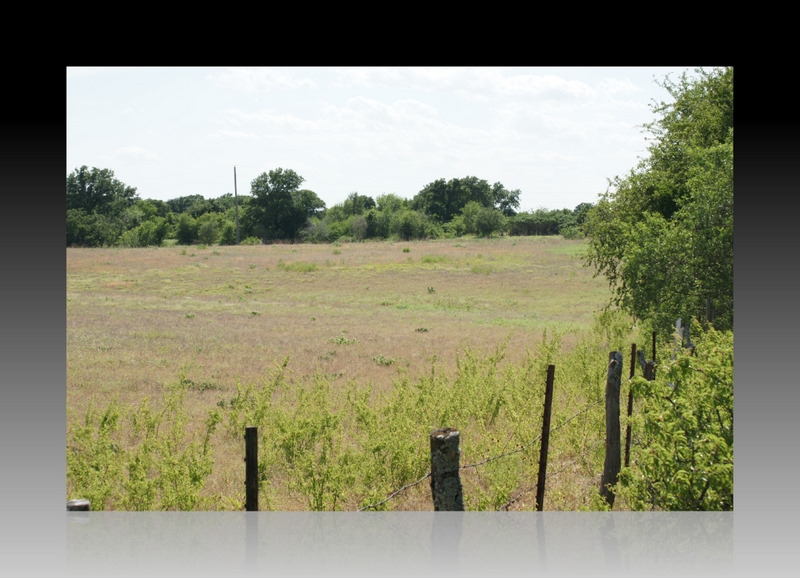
(630, 409)
(653, 374)
(251, 468)
(611, 467)
(445, 480)
(548, 405)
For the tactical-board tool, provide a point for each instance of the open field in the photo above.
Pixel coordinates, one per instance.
(356, 317)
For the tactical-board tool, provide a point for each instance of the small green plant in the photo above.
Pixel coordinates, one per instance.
(431, 290)
(297, 267)
(381, 360)
(342, 340)
(406, 250)
(421, 330)
(482, 269)
(189, 316)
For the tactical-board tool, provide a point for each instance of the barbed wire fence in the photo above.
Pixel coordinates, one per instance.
(648, 370)
(517, 450)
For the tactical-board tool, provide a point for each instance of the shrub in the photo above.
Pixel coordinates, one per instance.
(685, 459)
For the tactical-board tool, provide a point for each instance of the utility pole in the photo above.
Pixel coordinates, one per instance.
(236, 199)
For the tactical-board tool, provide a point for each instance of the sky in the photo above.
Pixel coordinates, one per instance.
(558, 135)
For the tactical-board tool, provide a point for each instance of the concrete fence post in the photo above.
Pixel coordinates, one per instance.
(612, 464)
(445, 480)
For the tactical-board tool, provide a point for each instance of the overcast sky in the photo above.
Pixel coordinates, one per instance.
(556, 134)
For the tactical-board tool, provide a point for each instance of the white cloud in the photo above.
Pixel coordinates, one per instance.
(256, 80)
(135, 152)
(235, 134)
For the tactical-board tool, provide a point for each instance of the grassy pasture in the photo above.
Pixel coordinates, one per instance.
(349, 322)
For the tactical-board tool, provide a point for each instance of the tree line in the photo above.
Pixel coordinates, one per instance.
(102, 211)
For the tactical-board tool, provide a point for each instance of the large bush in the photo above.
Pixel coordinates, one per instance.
(684, 429)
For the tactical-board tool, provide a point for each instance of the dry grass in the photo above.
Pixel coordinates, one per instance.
(138, 319)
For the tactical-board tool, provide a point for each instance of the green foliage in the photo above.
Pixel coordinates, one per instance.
(489, 222)
(98, 207)
(684, 426)
(228, 234)
(663, 235)
(156, 467)
(442, 201)
(187, 230)
(91, 229)
(542, 222)
(151, 233)
(408, 224)
(279, 209)
(98, 191)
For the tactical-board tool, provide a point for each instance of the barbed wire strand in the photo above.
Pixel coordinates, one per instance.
(487, 460)
(534, 440)
(550, 475)
(393, 494)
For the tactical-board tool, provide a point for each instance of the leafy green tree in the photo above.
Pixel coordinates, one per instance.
(663, 234)
(489, 221)
(187, 229)
(228, 234)
(98, 191)
(194, 205)
(150, 233)
(279, 209)
(316, 231)
(469, 215)
(209, 227)
(390, 203)
(581, 212)
(91, 229)
(358, 204)
(505, 201)
(308, 203)
(98, 206)
(408, 224)
(153, 232)
(442, 200)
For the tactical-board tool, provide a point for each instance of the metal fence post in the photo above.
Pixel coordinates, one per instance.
(548, 405)
(251, 468)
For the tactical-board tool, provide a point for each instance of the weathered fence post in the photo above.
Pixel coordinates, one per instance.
(548, 405)
(630, 409)
(648, 367)
(445, 480)
(653, 373)
(611, 467)
(79, 506)
(251, 468)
